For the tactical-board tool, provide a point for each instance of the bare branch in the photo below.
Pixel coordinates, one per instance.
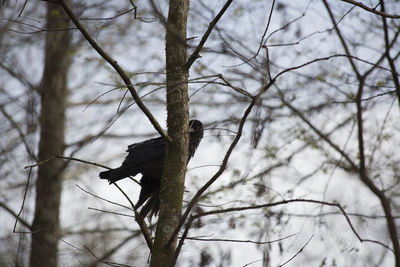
(112, 212)
(341, 38)
(365, 99)
(298, 252)
(110, 252)
(117, 68)
(269, 205)
(319, 133)
(211, 26)
(385, 202)
(265, 30)
(387, 53)
(239, 241)
(23, 203)
(139, 220)
(22, 9)
(18, 129)
(102, 259)
(216, 175)
(115, 16)
(9, 210)
(224, 162)
(329, 58)
(237, 89)
(160, 16)
(101, 198)
(372, 10)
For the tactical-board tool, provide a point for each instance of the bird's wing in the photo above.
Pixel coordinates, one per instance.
(145, 152)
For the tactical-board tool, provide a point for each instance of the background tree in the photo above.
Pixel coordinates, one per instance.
(20, 107)
(53, 91)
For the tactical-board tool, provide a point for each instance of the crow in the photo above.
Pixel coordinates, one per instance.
(147, 158)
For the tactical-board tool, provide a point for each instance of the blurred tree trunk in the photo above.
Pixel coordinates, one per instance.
(53, 100)
(172, 184)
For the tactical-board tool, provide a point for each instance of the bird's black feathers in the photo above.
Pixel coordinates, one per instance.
(147, 158)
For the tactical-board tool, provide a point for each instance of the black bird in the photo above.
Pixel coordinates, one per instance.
(147, 158)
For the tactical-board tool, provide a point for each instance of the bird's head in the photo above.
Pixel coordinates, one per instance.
(196, 128)
(195, 134)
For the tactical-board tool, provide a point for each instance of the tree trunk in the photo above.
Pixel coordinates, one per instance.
(172, 183)
(53, 98)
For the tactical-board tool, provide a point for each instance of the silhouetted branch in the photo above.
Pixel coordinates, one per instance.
(239, 241)
(372, 10)
(104, 199)
(17, 218)
(116, 67)
(139, 220)
(110, 252)
(203, 40)
(298, 252)
(269, 205)
(223, 165)
(216, 175)
(387, 52)
(15, 125)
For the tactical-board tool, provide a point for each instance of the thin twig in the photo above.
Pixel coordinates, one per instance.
(112, 17)
(298, 252)
(215, 176)
(342, 39)
(22, 9)
(116, 67)
(19, 130)
(101, 198)
(9, 210)
(218, 173)
(239, 241)
(265, 31)
(269, 205)
(40, 163)
(365, 99)
(139, 220)
(387, 53)
(110, 252)
(111, 212)
(23, 202)
(372, 10)
(211, 26)
(319, 133)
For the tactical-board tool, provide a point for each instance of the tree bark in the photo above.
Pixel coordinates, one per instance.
(172, 183)
(53, 101)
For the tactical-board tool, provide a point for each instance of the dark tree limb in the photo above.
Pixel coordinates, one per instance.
(385, 202)
(362, 168)
(387, 53)
(372, 10)
(222, 168)
(116, 67)
(16, 216)
(139, 220)
(196, 52)
(269, 205)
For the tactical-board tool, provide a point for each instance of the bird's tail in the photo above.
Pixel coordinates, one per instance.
(117, 174)
(106, 175)
(112, 176)
(152, 206)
